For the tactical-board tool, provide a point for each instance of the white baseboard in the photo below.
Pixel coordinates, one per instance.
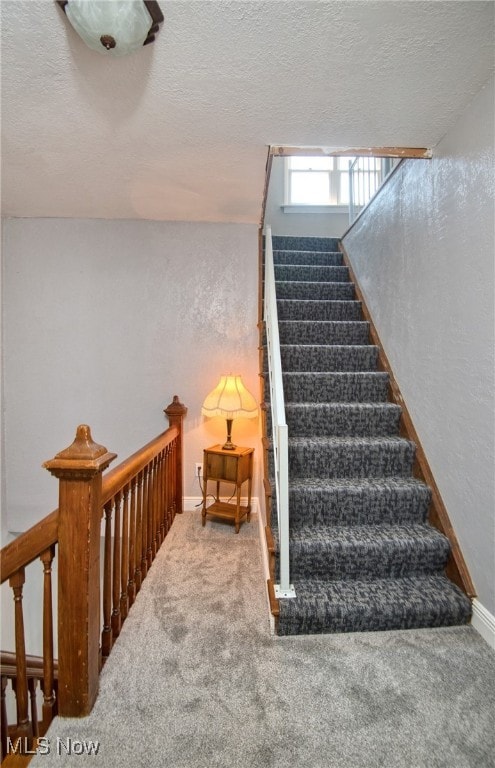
(192, 503)
(483, 622)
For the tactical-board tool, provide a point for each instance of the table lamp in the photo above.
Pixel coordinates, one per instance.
(230, 399)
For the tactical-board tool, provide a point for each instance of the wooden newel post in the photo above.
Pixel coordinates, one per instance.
(79, 470)
(175, 413)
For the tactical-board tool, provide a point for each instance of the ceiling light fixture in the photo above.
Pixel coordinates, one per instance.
(114, 27)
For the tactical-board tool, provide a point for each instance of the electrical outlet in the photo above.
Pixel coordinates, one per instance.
(199, 469)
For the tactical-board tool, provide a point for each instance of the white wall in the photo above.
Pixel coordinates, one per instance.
(298, 224)
(423, 253)
(104, 321)
(3, 521)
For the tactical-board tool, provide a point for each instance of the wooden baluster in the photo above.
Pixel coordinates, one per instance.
(106, 635)
(161, 497)
(176, 412)
(4, 721)
(23, 726)
(138, 576)
(149, 520)
(48, 709)
(158, 505)
(151, 513)
(131, 584)
(163, 508)
(173, 479)
(154, 505)
(165, 489)
(116, 568)
(32, 685)
(158, 508)
(154, 510)
(55, 689)
(173, 482)
(146, 521)
(167, 494)
(124, 604)
(144, 524)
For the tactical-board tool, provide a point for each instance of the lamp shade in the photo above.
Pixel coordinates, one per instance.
(230, 399)
(114, 27)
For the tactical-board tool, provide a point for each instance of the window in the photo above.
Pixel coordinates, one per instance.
(316, 181)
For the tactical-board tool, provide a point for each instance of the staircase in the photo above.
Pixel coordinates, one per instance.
(362, 554)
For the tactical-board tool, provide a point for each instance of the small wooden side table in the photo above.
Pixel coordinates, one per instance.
(228, 466)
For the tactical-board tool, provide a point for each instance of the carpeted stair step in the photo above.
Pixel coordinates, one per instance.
(342, 419)
(380, 604)
(293, 309)
(366, 552)
(331, 332)
(328, 291)
(318, 357)
(297, 273)
(357, 501)
(322, 258)
(349, 457)
(351, 387)
(362, 555)
(286, 242)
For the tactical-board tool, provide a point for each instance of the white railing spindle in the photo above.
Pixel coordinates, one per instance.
(366, 175)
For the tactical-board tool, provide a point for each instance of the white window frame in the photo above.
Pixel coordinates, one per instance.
(334, 188)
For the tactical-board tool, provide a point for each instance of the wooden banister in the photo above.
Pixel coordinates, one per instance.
(139, 499)
(120, 476)
(34, 665)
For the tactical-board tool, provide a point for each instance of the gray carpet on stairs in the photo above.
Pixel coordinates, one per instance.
(362, 556)
(196, 680)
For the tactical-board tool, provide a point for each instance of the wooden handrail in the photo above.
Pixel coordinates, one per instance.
(34, 665)
(118, 477)
(29, 545)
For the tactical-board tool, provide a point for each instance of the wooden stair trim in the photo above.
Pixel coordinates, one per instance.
(274, 604)
(270, 544)
(421, 153)
(438, 516)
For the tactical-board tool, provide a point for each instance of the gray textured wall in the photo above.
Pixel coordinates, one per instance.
(423, 253)
(103, 322)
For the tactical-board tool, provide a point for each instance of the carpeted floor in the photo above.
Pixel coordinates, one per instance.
(196, 680)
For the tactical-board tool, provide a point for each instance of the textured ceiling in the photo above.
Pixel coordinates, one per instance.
(179, 130)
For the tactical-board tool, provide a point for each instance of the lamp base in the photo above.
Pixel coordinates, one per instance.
(229, 445)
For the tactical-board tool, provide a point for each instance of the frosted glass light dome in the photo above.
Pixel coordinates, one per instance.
(111, 27)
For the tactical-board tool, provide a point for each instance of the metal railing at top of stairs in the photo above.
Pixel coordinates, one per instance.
(366, 176)
(279, 427)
